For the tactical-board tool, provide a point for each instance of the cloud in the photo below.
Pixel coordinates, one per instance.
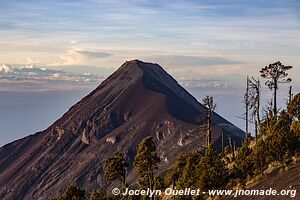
(73, 42)
(78, 56)
(30, 61)
(192, 61)
(203, 83)
(32, 78)
(92, 54)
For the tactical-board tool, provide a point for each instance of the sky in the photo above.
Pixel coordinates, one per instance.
(58, 51)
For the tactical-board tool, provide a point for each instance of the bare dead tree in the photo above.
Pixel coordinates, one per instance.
(222, 141)
(254, 102)
(246, 102)
(232, 147)
(208, 102)
(276, 73)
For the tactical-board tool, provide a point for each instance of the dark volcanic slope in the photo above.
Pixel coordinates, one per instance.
(139, 99)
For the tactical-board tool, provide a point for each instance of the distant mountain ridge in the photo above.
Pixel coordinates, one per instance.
(137, 100)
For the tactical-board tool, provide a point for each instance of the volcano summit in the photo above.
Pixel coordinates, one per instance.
(137, 100)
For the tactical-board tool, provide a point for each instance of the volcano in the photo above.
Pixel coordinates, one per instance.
(137, 100)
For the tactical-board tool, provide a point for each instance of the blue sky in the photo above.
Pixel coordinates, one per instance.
(236, 32)
(213, 43)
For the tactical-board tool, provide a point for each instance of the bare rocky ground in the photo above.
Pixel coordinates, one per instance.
(278, 179)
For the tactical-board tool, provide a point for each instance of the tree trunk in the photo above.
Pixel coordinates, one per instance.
(256, 130)
(124, 181)
(209, 128)
(152, 183)
(258, 103)
(275, 98)
(173, 187)
(290, 94)
(247, 105)
(222, 141)
(257, 114)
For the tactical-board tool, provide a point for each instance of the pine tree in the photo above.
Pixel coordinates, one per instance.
(146, 161)
(211, 171)
(295, 128)
(175, 172)
(72, 193)
(159, 183)
(243, 159)
(99, 195)
(276, 72)
(280, 141)
(188, 177)
(116, 168)
(259, 156)
(254, 102)
(293, 108)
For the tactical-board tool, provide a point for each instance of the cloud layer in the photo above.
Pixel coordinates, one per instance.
(78, 56)
(194, 61)
(32, 78)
